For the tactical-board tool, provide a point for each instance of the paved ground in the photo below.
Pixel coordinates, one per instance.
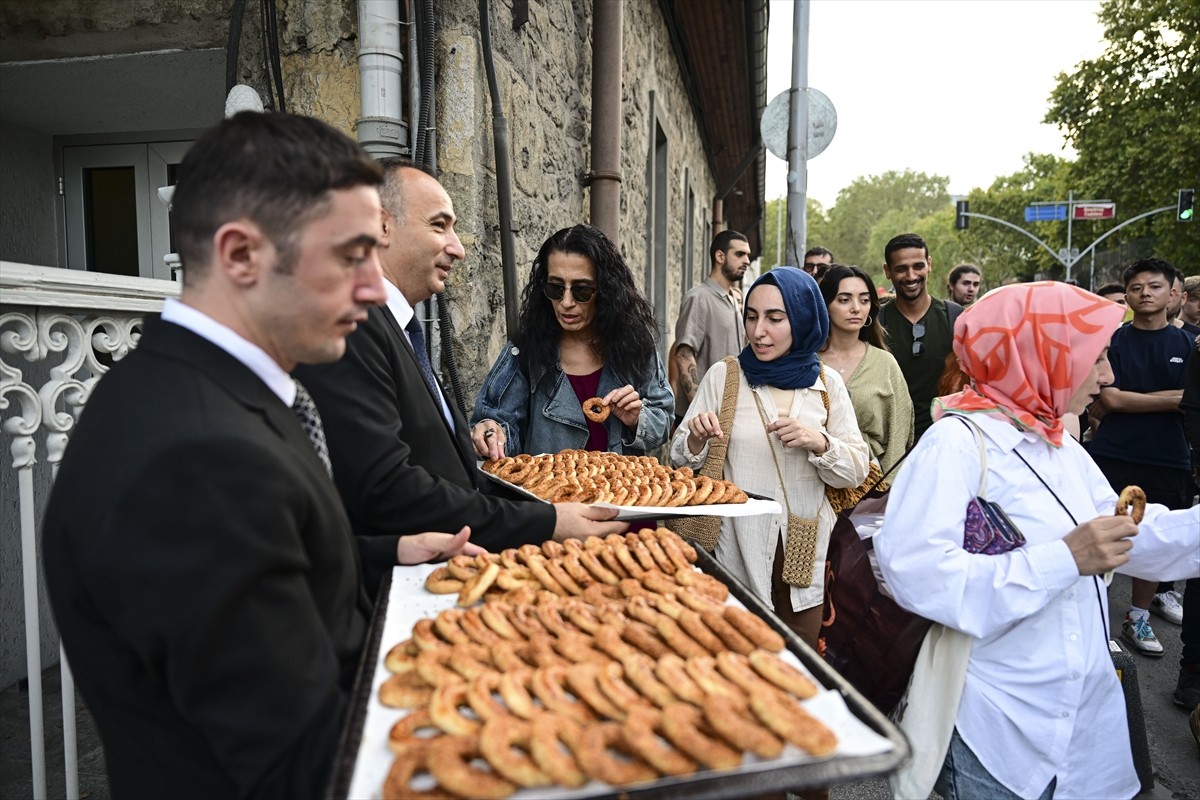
(1173, 751)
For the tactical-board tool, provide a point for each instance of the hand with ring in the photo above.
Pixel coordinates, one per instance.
(488, 439)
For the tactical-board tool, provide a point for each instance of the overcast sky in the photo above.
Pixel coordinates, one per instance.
(946, 87)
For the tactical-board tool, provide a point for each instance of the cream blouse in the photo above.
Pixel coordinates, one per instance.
(746, 546)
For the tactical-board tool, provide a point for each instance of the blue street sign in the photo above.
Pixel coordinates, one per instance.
(1046, 213)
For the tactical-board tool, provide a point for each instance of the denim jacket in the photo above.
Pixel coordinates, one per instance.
(541, 414)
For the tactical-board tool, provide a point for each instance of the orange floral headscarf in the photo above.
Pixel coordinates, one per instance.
(1027, 349)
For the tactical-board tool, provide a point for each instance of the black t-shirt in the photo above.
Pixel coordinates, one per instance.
(1146, 361)
(922, 372)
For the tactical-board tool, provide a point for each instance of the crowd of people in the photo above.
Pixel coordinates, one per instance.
(214, 598)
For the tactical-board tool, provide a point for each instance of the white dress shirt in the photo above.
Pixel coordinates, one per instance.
(1041, 697)
(746, 546)
(253, 356)
(402, 312)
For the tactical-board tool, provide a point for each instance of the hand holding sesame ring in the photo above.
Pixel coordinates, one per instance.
(1132, 501)
(595, 409)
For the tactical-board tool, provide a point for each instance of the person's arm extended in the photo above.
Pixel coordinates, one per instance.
(687, 371)
(1113, 399)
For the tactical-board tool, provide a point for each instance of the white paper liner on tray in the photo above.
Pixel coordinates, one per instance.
(751, 508)
(408, 602)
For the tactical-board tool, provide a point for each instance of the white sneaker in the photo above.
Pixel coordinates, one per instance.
(1140, 636)
(1169, 606)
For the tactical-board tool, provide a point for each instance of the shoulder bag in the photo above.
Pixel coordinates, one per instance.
(845, 498)
(705, 530)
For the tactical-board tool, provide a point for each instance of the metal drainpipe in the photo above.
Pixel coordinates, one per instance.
(381, 129)
(605, 175)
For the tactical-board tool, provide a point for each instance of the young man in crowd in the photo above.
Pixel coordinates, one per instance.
(1140, 439)
(710, 318)
(963, 284)
(920, 326)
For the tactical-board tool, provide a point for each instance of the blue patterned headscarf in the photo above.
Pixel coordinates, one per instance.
(809, 318)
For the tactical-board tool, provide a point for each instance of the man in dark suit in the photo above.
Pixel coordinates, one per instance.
(199, 562)
(402, 455)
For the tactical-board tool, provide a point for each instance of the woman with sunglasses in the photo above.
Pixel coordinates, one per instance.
(1018, 696)
(585, 331)
(793, 432)
(857, 350)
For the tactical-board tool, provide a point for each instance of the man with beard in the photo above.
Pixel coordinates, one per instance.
(920, 327)
(710, 319)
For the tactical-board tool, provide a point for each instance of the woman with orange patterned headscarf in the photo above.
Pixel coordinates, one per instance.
(1033, 707)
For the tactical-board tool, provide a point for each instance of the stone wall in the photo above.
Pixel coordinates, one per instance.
(543, 72)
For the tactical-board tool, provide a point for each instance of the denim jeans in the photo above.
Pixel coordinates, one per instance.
(964, 778)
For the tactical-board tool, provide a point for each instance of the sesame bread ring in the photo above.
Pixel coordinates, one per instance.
(593, 755)
(406, 690)
(473, 589)
(782, 674)
(672, 670)
(791, 722)
(408, 730)
(740, 730)
(552, 743)
(1132, 502)
(440, 581)
(582, 681)
(753, 628)
(445, 709)
(504, 743)
(412, 762)
(402, 657)
(693, 625)
(454, 762)
(596, 409)
(682, 726)
(642, 731)
(481, 696)
(729, 635)
(548, 685)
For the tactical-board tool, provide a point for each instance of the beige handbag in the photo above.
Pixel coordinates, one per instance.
(705, 530)
(800, 546)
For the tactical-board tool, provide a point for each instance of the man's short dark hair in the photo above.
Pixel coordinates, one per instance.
(722, 242)
(962, 269)
(1111, 288)
(276, 170)
(1157, 266)
(904, 241)
(390, 194)
(818, 251)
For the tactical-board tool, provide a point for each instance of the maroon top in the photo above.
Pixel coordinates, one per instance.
(585, 387)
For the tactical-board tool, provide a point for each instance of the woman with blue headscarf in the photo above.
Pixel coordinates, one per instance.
(793, 432)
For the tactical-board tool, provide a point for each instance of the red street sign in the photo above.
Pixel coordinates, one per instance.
(1094, 211)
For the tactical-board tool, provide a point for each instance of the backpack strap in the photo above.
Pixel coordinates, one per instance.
(953, 309)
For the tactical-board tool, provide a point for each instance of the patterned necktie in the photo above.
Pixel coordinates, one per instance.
(417, 337)
(310, 419)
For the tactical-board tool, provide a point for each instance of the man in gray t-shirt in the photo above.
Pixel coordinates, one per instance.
(710, 319)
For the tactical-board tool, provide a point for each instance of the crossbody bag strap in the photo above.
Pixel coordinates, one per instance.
(714, 463)
(981, 492)
(774, 455)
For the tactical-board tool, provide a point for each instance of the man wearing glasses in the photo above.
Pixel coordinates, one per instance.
(817, 261)
(402, 456)
(920, 327)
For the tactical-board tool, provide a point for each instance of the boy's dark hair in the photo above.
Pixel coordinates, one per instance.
(1157, 266)
(903, 242)
(721, 242)
(960, 270)
(817, 251)
(274, 169)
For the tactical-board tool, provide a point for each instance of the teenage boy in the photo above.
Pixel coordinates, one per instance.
(1141, 438)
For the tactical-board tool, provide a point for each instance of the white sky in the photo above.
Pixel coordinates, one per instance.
(945, 87)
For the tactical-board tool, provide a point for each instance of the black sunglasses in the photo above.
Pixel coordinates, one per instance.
(918, 345)
(583, 293)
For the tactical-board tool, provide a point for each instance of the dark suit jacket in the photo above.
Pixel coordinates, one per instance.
(397, 465)
(204, 579)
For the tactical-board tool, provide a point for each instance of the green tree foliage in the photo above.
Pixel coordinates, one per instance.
(817, 231)
(1133, 115)
(863, 204)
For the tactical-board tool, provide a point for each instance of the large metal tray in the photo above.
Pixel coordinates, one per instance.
(702, 785)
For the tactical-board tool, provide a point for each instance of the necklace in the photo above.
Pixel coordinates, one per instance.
(847, 362)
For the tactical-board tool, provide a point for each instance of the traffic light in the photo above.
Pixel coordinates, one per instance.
(1187, 205)
(960, 214)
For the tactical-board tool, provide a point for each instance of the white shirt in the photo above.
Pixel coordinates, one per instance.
(402, 312)
(746, 546)
(1041, 697)
(250, 354)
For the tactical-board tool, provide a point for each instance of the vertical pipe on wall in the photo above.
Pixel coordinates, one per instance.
(381, 129)
(605, 204)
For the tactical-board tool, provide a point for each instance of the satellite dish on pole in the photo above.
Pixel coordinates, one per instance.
(822, 123)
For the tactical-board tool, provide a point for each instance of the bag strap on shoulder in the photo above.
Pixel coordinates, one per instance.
(981, 493)
(714, 463)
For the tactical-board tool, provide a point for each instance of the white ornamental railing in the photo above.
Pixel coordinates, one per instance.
(59, 332)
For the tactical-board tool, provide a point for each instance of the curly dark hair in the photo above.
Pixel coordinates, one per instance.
(626, 333)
